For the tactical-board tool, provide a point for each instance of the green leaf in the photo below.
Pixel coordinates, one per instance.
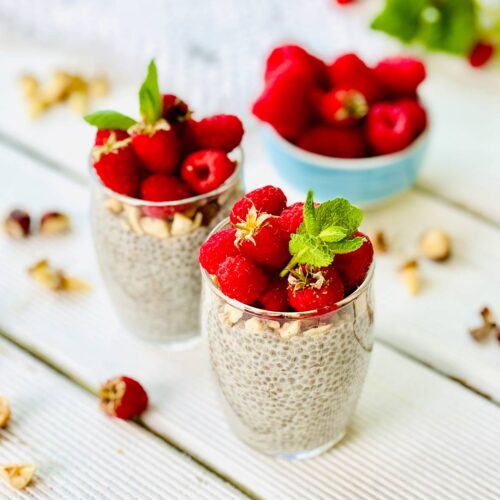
(339, 212)
(310, 249)
(333, 234)
(150, 101)
(310, 222)
(109, 119)
(346, 246)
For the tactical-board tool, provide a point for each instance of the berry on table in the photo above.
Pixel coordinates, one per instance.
(217, 249)
(480, 54)
(123, 397)
(221, 132)
(160, 187)
(400, 76)
(268, 199)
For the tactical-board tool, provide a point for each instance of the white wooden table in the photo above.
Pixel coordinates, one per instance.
(428, 423)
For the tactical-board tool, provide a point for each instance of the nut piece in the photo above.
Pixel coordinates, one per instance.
(79, 102)
(231, 315)
(488, 329)
(411, 277)
(28, 85)
(380, 243)
(158, 228)
(181, 225)
(435, 244)
(99, 87)
(17, 224)
(18, 476)
(113, 205)
(255, 325)
(54, 223)
(290, 329)
(133, 216)
(48, 277)
(4, 412)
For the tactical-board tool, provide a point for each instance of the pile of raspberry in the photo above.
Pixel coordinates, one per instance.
(247, 258)
(343, 109)
(177, 159)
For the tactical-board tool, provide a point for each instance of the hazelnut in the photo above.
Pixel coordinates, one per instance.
(113, 205)
(158, 228)
(133, 214)
(17, 224)
(28, 85)
(18, 476)
(181, 225)
(4, 412)
(54, 223)
(380, 243)
(409, 271)
(50, 278)
(435, 244)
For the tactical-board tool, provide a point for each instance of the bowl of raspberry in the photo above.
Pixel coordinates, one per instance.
(344, 128)
(287, 313)
(160, 185)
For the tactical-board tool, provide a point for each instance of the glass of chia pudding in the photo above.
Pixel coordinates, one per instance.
(289, 374)
(160, 185)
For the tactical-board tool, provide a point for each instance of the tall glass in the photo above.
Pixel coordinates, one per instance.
(148, 256)
(289, 381)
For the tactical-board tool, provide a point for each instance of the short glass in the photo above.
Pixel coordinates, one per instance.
(289, 381)
(148, 256)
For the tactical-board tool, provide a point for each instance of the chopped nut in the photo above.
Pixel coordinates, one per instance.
(79, 102)
(488, 329)
(411, 277)
(113, 205)
(72, 284)
(189, 213)
(231, 314)
(29, 85)
(18, 476)
(17, 224)
(181, 225)
(54, 223)
(37, 106)
(59, 87)
(255, 325)
(435, 245)
(380, 243)
(99, 87)
(157, 228)
(4, 412)
(133, 216)
(271, 324)
(197, 221)
(290, 329)
(50, 278)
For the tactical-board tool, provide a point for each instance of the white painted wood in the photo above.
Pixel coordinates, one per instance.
(80, 452)
(415, 435)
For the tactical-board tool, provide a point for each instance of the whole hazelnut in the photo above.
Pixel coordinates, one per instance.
(54, 223)
(17, 224)
(435, 244)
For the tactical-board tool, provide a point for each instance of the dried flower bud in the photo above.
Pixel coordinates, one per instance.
(17, 224)
(18, 476)
(435, 245)
(409, 271)
(54, 223)
(4, 412)
(380, 243)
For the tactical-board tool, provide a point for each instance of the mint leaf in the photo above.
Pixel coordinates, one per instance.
(346, 246)
(109, 119)
(309, 249)
(333, 234)
(310, 223)
(150, 101)
(339, 212)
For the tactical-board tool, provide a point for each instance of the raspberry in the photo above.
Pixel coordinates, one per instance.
(343, 106)
(284, 102)
(417, 113)
(158, 150)
(117, 166)
(352, 267)
(369, 86)
(268, 199)
(336, 142)
(160, 187)
(275, 296)
(400, 76)
(480, 54)
(123, 397)
(291, 218)
(265, 243)
(217, 249)
(175, 110)
(390, 127)
(222, 132)
(346, 69)
(315, 289)
(241, 279)
(206, 170)
(102, 136)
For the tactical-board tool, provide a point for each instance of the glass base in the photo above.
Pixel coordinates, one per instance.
(169, 344)
(304, 455)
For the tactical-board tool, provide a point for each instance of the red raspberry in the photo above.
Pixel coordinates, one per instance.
(417, 113)
(275, 296)
(241, 279)
(206, 170)
(390, 127)
(400, 76)
(286, 53)
(320, 289)
(344, 2)
(284, 103)
(480, 54)
(369, 86)
(217, 249)
(102, 136)
(222, 132)
(265, 243)
(292, 217)
(268, 199)
(117, 166)
(343, 106)
(123, 397)
(336, 142)
(175, 110)
(158, 150)
(347, 69)
(160, 187)
(352, 267)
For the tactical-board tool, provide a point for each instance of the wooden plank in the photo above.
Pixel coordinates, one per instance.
(414, 430)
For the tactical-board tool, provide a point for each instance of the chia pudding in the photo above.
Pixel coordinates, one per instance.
(150, 264)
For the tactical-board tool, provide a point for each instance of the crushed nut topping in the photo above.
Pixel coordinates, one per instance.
(56, 279)
(18, 476)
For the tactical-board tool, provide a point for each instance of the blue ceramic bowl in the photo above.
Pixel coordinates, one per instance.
(365, 181)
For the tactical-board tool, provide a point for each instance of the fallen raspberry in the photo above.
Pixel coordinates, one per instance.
(480, 54)
(103, 135)
(400, 76)
(390, 127)
(222, 132)
(343, 106)
(275, 296)
(217, 249)
(123, 397)
(240, 279)
(352, 267)
(158, 150)
(160, 187)
(175, 110)
(417, 113)
(314, 289)
(206, 170)
(268, 199)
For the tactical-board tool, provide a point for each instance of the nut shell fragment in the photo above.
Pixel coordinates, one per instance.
(4, 412)
(435, 244)
(54, 223)
(380, 242)
(18, 476)
(17, 224)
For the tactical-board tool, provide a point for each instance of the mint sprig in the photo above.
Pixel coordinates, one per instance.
(150, 101)
(108, 119)
(327, 230)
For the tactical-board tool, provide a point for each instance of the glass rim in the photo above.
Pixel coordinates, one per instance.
(129, 200)
(314, 313)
